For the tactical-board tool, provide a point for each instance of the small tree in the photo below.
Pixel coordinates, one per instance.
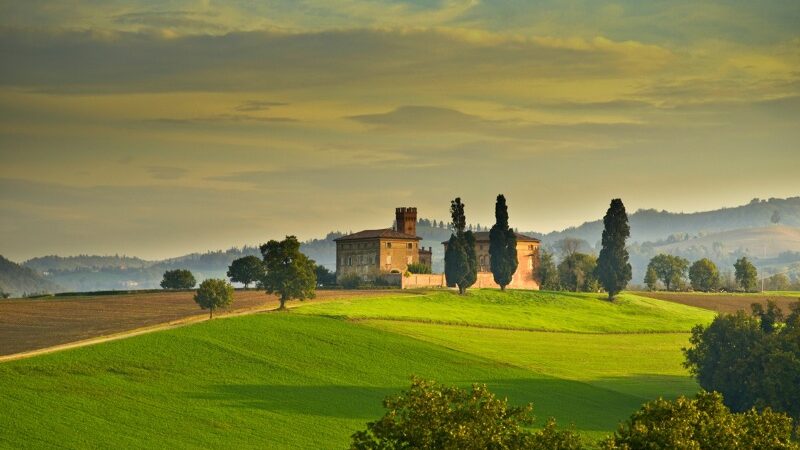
(213, 294)
(671, 270)
(324, 276)
(430, 416)
(613, 269)
(178, 279)
(704, 275)
(4, 294)
(246, 270)
(460, 260)
(746, 274)
(502, 246)
(350, 281)
(651, 279)
(290, 273)
(547, 273)
(576, 273)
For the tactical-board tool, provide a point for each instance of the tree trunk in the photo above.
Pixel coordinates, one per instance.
(283, 304)
(210, 313)
(502, 288)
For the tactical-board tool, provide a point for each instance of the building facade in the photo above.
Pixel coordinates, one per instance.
(370, 253)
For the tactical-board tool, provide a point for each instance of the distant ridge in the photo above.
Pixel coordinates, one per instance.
(19, 280)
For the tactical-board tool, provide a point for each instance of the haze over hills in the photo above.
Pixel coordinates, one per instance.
(767, 231)
(18, 280)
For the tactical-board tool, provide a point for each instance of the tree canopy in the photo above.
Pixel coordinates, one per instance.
(213, 294)
(502, 246)
(746, 274)
(460, 260)
(178, 279)
(700, 423)
(547, 273)
(577, 273)
(246, 270)
(753, 360)
(290, 273)
(613, 269)
(704, 275)
(670, 269)
(431, 416)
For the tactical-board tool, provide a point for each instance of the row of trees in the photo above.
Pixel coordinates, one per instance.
(284, 271)
(703, 274)
(460, 259)
(430, 415)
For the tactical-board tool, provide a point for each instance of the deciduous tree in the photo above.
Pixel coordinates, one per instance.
(576, 273)
(178, 279)
(246, 270)
(213, 294)
(670, 269)
(502, 246)
(290, 273)
(704, 275)
(613, 269)
(547, 273)
(746, 274)
(651, 279)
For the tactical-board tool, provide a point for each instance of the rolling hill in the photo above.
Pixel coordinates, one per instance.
(19, 280)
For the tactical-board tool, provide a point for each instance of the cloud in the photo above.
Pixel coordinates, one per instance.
(166, 172)
(422, 118)
(257, 105)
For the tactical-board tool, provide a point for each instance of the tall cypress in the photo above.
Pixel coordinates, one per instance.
(613, 269)
(502, 245)
(460, 260)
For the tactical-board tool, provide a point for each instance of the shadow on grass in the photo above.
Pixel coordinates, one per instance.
(597, 405)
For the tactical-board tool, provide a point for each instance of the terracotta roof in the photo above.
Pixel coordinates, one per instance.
(386, 233)
(483, 236)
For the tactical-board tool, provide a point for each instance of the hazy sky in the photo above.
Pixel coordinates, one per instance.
(155, 128)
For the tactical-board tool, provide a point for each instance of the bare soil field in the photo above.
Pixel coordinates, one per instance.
(31, 324)
(727, 303)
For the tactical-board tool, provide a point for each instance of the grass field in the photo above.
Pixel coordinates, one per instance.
(310, 377)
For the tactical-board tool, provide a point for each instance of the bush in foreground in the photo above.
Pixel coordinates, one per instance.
(350, 281)
(703, 422)
(431, 416)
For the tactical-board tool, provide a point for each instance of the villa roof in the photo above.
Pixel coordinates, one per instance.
(483, 236)
(386, 233)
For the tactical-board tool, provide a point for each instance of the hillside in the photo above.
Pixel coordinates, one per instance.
(307, 379)
(763, 242)
(18, 280)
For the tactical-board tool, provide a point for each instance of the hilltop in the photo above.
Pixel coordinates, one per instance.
(19, 280)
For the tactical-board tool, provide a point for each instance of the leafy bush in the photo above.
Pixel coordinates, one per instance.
(430, 416)
(701, 423)
(754, 361)
(419, 268)
(350, 281)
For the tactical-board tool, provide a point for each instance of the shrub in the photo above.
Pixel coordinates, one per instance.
(350, 281)
(419, 268)
(430, 416)
(703, 422)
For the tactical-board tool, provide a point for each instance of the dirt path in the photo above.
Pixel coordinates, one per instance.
(31, 327)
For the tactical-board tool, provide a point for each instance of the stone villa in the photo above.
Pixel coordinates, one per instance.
(391, 250)
(388, 251)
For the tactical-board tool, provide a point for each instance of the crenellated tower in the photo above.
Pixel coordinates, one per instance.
(406, 220)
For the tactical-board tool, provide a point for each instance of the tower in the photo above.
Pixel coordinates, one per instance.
(406, 220)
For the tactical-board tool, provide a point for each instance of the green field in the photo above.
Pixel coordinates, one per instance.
(310, 377)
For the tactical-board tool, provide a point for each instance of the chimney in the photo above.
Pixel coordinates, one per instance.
(406, 220)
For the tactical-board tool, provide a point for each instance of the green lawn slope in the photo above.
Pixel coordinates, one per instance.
(523, 310)
(305, 379)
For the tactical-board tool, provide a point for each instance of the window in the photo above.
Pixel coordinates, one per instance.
(410, 260)
(410, 245)
(349, 260)
(388, 260)
(530, 263)
(530, 247)
(388, 245)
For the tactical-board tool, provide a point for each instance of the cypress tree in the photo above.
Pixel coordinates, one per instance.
(502, 246)
(460, 260)
(613, 269)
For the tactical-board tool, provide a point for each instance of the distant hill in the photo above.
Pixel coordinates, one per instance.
(18, 280)
(721, 235)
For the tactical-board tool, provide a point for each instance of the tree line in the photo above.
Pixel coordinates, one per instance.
(671, 271)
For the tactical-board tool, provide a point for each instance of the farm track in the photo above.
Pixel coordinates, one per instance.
(32, 327)
(724, 303)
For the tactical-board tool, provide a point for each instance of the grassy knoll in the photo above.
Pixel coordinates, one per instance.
(303, 380)
(545, 311)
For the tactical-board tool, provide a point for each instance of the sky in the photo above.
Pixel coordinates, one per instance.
(157, 128)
